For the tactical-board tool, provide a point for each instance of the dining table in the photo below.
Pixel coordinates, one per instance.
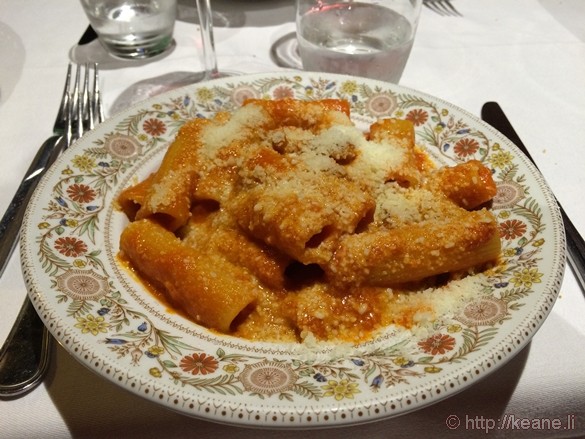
(527, 55)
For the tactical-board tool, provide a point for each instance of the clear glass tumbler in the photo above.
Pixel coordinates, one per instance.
(132, 28)
(369, 38)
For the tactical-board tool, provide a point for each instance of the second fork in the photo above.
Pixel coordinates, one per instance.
(442, 7)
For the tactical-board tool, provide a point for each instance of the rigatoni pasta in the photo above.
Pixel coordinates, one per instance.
(210, 289)
(283, 220)
(384, 257)
(168, 191)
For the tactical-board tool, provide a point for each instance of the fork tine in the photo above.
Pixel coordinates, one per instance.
(75, 114)
(68, 134)
(97, 97)
(448, 5)
(442, 7)
(91, 99)
(84, 104)
(62, 114)
(431, 4)
(87, 123)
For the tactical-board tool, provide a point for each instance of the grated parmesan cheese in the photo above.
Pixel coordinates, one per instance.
(289, 194)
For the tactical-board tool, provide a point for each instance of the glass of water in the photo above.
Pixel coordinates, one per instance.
(132, 28)
(369, 38)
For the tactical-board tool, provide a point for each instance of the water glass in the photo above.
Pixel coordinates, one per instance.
(369, 38)
(132, 29)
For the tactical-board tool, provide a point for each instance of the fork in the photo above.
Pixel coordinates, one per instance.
(79, 110)
(24, 357)
(442, 7)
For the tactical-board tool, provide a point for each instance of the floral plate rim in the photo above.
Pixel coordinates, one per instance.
(99, 315)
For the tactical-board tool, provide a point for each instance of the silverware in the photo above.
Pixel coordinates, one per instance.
(24, 357)
(12, 219)
(493, 114)
(442, 7)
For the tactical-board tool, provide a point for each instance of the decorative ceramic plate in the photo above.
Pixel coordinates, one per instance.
(110, 323)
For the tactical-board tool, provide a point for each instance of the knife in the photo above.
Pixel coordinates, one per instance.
(12, 218)
(24, 356)
(493, 114)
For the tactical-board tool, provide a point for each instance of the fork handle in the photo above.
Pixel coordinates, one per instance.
(12, 219)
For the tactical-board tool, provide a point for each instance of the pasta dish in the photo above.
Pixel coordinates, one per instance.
(282, 220)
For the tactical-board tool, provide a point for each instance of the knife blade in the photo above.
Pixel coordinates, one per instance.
(12, 219)
(492, 113)
(88, 36)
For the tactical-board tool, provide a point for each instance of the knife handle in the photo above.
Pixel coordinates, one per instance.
(575, 249)
(493, 114)
(24, 357)
(12, 219)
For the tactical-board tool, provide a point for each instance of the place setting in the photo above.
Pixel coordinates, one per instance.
(316, 245)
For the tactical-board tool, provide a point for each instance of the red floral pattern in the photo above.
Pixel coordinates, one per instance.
(417, 117)
(81, 193)
(70, 246)
(154, 127)
(466, 147)
(437, 344)
(512, 229)
(283, 93)
(199, 364)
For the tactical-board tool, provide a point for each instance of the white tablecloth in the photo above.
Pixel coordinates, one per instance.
(529, 55)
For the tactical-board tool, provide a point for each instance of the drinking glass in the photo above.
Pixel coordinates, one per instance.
(150, 87)
(285, 52)
(369, 38)
(132, 29)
